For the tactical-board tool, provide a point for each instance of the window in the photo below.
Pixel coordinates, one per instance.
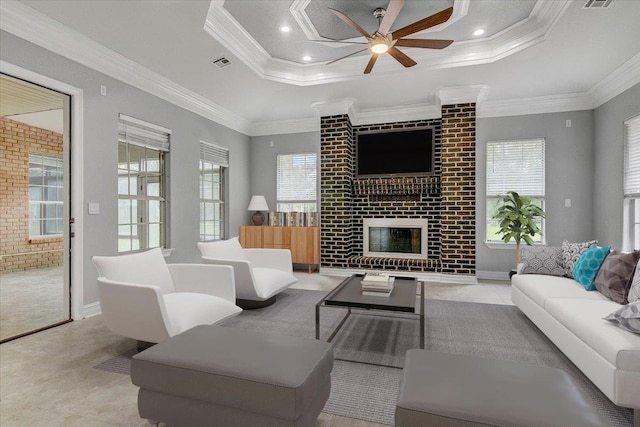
(296, 183)
(142, 148)
(45, 195)
(213, 162)
(514, 166)
(631, 216)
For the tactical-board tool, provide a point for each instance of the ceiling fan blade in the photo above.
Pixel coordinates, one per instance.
(401, 57)
(346, 56)
(372, 61)
(328, 40)
(351, 22)
(423, 24)
(428, 44)
(389, 18)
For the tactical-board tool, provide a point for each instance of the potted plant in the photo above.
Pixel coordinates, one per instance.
(517, 220)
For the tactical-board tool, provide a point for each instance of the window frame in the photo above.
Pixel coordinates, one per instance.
(217, 157)
(42, 204)
(312, 203)
(141, 173)
(491, 197)
(631, 184)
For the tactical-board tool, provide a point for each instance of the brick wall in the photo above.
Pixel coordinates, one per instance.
(17, 252)
(458, 186)
(448, 203)
(337, 165)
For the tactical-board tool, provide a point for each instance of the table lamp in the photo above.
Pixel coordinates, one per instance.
(257, 204)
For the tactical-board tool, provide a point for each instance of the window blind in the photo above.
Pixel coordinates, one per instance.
(632, 157)
(296, 177)
(143, 134)
(214, 153)
(515, 166)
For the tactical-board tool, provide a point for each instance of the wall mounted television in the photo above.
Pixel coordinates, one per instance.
(395, 153)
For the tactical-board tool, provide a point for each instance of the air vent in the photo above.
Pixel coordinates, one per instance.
(223, 62)
(597, 4)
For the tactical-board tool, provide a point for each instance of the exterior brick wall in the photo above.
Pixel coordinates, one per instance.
(447, 202)
(458, 186)
(17, 251)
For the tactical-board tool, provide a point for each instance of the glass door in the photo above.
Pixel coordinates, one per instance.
(34, 208)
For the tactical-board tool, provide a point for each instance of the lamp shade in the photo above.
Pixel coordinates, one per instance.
(258, 203)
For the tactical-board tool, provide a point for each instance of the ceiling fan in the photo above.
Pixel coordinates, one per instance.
(384, 41)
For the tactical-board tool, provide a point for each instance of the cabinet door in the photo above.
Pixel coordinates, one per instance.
(304, 245)
(250, 236)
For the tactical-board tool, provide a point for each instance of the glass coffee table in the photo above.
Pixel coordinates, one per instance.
(348, 294)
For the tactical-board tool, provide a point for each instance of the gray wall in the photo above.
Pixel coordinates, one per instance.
(101, 149)
(263, 161)
(608, 172)
(569, 175)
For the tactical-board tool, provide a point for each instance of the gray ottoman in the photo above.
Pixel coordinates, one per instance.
(219, 376)
(455, 390)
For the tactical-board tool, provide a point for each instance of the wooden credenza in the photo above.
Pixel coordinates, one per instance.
(303, 242)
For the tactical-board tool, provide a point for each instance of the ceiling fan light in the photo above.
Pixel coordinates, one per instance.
(379, 47)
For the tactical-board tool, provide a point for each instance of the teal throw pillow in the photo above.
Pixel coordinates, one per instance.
(586, 268)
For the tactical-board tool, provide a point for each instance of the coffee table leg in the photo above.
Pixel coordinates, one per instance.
(422, 315)
(317, 322)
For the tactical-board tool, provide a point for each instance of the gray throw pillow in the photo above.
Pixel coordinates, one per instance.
(634, 289)
(542, 260)
(615, 275)
(627, 317)
(571, 253)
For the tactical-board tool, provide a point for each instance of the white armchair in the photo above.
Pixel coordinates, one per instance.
(146, 299)
(260, 274)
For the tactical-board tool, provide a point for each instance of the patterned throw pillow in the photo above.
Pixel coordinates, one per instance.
(634, 289)
(587, 266)
(615, 275)
(542, 260)
(571, 252)
(627, 317)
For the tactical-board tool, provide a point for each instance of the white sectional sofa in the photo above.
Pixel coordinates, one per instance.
(572, 318)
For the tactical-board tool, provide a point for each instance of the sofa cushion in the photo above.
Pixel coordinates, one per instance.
(540, 288)
(584, 318)
(588, 265)
(627, 317)
(571, 253)
(542, 260)
(186, 310)
(634, 289)
(615, 275)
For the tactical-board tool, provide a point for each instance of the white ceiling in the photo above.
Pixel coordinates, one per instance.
(559, 50)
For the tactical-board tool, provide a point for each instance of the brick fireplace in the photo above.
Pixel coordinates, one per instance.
(446, 199)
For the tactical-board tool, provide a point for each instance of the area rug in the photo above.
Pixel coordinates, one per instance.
(370, 348)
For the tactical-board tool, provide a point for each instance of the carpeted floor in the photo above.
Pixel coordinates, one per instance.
(367, 391)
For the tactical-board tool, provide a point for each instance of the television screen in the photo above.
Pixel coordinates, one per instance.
(406, 152)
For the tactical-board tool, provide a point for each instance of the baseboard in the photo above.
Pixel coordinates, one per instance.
(425, 277)
(90, 310)
(492, 275)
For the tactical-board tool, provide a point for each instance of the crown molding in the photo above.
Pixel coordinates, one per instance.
(462, 94)
(397, 114)
(528, 32)
(535, 105)
(336, 107)
(35, 27)
(285, 126)
(623, 78)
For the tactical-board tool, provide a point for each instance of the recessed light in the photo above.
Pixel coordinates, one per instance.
(306, 58)
(285, 29)
(478, 32)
